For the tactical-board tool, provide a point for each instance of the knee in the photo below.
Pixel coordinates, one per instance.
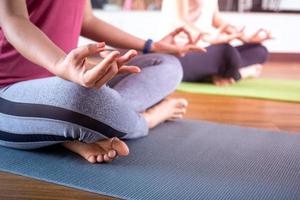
(112, 116)
(228, 49)
(171, 68)
(262, 53)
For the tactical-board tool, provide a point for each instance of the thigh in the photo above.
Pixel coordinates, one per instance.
(200, 66)
(52, 110)
(159, 77)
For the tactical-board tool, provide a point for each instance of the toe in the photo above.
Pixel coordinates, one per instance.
(182, 103)
(112, 153)
(120, 147)
(92, 159)
(180, 111)
(177, 116)
(106, 158)
(100, 158)
(115, 144)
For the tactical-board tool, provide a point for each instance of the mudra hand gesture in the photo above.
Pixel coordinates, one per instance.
(168, 44)
(259, 36)
(77, 68)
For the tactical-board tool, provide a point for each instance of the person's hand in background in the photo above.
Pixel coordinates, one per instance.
(168, 44)
(77, 68)
(221, 35)
(259, 36)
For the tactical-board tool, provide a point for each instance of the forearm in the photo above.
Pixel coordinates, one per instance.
(99, 30)
(218, 21)
(31, 42)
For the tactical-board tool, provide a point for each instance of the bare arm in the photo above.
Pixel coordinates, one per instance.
(99, 30)
(219, 22)
(30, 41)
(217, 19)
(34, 45)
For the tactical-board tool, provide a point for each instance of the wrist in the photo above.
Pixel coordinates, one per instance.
(148, 46)
(57, 66)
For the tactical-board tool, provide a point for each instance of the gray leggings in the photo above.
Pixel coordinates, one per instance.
(47, 111)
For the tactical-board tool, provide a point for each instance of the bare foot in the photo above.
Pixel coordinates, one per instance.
(252, 71)
(168, 109)
(98, 152)
(219, 81)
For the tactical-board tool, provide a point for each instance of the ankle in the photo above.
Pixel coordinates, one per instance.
(149, 119)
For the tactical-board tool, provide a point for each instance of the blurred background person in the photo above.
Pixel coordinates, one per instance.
(223, 64)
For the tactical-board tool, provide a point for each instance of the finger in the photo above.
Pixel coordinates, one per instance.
(242, 29)
(176, 31)
(108, 76)
(269, 35)
(233, 36)
(233, 27)
(267, 38)
(257, 32)
(169, 48)
(241, 33)
(264, 37)
(126, 57)
(263, 33)
(200, 37)
(129, 69)
(222, 28)
(104, 53)
(264, 30)
(92, 75)
(196, 48)
(189, 36)
(109, 59)
(189, 48)
(184, 30)
(82, 52)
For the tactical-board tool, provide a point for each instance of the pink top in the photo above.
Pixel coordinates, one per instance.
(60, 20)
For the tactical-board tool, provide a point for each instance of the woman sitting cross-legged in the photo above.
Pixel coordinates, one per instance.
(223, 63)
(52, 93)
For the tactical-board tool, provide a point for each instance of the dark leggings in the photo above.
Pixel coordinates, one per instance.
(223, 60)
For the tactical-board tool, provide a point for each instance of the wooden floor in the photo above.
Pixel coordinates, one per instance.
(270, 115)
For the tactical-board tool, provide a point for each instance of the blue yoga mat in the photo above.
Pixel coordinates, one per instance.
(179, 160)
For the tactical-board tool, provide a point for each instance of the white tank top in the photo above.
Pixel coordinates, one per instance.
(200, 13)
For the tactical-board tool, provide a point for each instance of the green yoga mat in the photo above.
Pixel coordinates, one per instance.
(273, 89)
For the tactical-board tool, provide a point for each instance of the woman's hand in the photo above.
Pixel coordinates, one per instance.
(77, 68)
(231, 29)
(259, 36)
(168, 44)
(221, 35)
